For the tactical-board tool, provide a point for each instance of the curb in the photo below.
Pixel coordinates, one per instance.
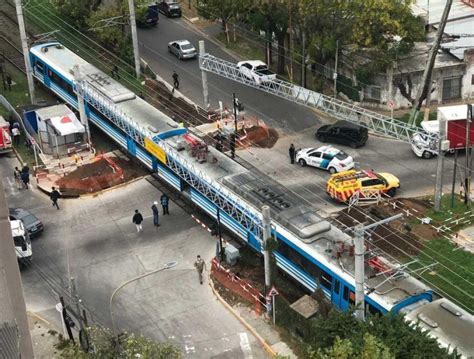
(262, 341)
(215, 41)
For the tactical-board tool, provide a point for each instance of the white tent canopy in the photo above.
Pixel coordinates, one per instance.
(67, 124)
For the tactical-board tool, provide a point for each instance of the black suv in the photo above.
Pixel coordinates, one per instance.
(170, 8)
(343, 132)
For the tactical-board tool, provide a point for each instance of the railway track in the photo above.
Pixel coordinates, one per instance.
(9, 52)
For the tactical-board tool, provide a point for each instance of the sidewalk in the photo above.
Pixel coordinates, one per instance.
(44, 336)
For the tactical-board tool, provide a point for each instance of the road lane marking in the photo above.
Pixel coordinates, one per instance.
(245, 346)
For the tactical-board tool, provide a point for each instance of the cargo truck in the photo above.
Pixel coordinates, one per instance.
(425, 144)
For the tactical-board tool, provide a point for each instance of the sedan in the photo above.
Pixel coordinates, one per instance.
(170, 8)
(183, 49)
(32, 224)
(326, 157)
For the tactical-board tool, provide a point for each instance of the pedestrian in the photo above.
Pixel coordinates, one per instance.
(200, 265)
(156, 214)
(25, 168)
(9, 82)
(138, 219)
(17, 175)
(175, 80)
(25, 177)
(16, 124)
(16, 135)
(292, 152)
(55, 195)
(164, 199)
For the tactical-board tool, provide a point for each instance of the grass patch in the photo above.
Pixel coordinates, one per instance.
(457, 211)
(455, 274)
(406, 117)
(243, 47)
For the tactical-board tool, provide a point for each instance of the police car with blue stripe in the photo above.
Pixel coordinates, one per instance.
(326, 157)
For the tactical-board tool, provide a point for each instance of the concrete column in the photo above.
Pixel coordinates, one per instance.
(133, 25)
(267, 235)
(205, 89)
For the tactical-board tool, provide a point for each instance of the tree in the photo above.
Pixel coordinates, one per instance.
(106, 345)
(344, 349)
(77, 10)
(223, 10)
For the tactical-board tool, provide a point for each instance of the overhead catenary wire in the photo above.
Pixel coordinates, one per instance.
(76, 30)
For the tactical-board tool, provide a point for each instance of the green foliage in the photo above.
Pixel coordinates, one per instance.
(343, 349)
(106, 346)
(77, 10)
(333, 332)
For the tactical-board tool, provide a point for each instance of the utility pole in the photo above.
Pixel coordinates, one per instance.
(133, 25)
(303, 55)
(234, 103)
(267, 235)
(334, 76)
(359, 252)
(26, 55)
(427, 74)
(77, 301)
(467, 184)
(12, 301)
(359, 259)
(205, 89)
(81, 105)
(443, 145)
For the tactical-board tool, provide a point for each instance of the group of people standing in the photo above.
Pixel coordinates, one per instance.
(22, 177)
(138, 217)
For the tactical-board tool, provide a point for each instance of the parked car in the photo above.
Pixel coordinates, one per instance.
(32, 224)
(344, 133)
(326, 157)
(183, 49)
(22, 242)
(256, 70)
(342, 186)
(170, 8)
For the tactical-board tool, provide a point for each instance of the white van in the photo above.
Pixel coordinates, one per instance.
(22, 241)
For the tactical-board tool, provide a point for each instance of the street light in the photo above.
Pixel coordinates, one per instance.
(165, 266)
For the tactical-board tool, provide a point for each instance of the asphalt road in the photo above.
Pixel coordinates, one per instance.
(93, 240)
(153, 48)
(295, 123)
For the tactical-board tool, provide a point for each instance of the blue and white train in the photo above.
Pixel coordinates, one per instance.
(310, 249)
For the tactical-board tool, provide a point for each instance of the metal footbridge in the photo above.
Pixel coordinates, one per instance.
(248, 218)
(335, 108)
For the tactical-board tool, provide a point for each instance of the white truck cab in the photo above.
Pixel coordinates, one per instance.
(423, 144)
(22, 241)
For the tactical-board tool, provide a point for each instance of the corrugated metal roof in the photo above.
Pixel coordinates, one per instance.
(458, 46)
(433, 10)
(9, 343)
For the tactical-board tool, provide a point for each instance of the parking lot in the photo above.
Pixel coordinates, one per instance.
(93, 240)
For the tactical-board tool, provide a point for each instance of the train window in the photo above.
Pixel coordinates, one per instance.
(60, 82)
(325, 280)
(39, 67)
(306, 265)
(352, 298)
(369, 308)
(345, 293)
(336, 286)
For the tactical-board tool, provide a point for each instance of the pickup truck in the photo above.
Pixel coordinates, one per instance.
(256, 70)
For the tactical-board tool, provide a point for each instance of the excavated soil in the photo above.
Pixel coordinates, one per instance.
(99, 175)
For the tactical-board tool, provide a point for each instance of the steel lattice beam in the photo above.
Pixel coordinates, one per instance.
(207, 187)
(340, 110)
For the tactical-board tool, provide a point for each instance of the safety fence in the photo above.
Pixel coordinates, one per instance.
(238, 286)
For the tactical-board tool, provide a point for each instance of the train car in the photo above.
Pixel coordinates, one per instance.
(316, 253)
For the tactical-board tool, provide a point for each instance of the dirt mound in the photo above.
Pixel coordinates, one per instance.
(99, 175)
(261, 137)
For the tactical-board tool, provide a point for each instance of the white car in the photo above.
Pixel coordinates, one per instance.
(256, 70)
(326, 157)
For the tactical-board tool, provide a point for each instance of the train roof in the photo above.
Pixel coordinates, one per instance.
(300, 222)
(450, 324)
(134, 107)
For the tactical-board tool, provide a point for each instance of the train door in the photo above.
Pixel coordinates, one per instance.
(336, 292)
(344, 297)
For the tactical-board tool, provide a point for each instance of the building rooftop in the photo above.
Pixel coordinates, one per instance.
(432, 10)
